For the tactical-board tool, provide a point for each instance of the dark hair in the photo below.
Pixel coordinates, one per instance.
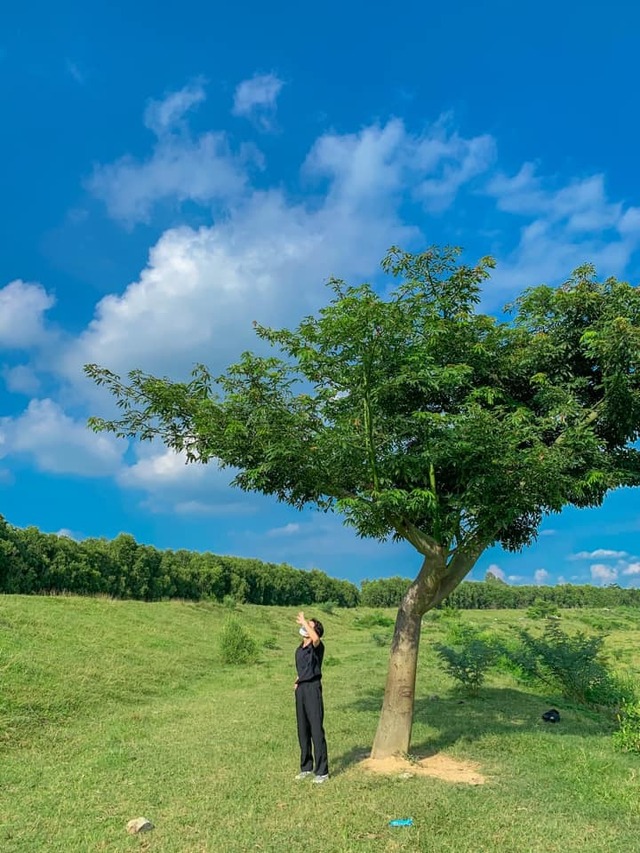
(317, 627)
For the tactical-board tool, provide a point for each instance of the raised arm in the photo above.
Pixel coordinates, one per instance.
(308, 626)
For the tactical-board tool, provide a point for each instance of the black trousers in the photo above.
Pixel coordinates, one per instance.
(310, 717)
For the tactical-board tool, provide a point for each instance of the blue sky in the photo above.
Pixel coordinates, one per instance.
(169, 175)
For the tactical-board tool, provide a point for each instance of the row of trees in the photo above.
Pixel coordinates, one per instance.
(496, 595)
(36, 562)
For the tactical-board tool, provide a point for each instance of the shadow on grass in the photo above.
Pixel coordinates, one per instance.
(495, 711)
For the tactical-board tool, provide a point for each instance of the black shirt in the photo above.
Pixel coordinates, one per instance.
(309, 661)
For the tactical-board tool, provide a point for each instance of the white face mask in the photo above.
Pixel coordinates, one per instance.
(303, 632)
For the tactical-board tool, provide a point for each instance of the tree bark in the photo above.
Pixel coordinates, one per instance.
(434, 582)
(396, 719)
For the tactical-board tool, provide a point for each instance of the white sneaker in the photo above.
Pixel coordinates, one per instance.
(320, 779)
(303, 774)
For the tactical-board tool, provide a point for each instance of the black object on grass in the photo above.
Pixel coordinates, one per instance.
(551, 716)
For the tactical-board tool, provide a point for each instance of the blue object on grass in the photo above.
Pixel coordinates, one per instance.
(405, 821)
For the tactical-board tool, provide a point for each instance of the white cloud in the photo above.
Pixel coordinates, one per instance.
(272, 254)
(268, 259)
(388, 160)
(256, 99)
(65, 533)
(631, 568)
(74, 71)
(165, 114)
(21, 379)
(541, 576)
(170, 485)
(566, 226)
(57, 443)
(288, 530)
(194, 508)
(496, 571)
(22, 307)
(599, 554)
(181, 168)
(516, 578)
(603, 574)
(582, 204)
(201, 170)
(157, 468)
(463, 161)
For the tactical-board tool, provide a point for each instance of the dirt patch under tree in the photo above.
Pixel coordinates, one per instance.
(440, 766)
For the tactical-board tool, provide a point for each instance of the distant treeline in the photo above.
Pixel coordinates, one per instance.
(494, 594)
(32, 562)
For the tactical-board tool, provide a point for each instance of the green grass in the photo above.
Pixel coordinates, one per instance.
(112, 710)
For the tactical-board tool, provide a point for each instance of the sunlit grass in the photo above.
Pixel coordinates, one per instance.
(112, 710)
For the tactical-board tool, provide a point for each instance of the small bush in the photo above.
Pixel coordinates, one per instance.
(457, 632)
(507, 651)
(328, 606)
(271, 644)
(230, 602)
(373, 620)
(574, 665)
(541, 609)
(236, 645)
(381, 639)
(627, 738)
(469, 663)
(450, 612)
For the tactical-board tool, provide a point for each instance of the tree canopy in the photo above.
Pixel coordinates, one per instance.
(416, 416)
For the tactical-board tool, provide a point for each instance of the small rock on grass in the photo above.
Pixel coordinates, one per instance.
(139, 824)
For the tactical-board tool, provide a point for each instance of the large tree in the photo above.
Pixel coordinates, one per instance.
(416, 417)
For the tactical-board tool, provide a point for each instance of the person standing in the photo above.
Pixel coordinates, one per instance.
(309, 704)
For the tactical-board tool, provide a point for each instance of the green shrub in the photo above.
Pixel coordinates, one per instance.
(237, 646)
(381, 639)
(328, 606)
(373, 620)
(541, 609)
(230, 602)
(627, 738)
(450, 612)
(573, 665)
(271, 644)
(469, 661)
(457, 632)
(507, 653)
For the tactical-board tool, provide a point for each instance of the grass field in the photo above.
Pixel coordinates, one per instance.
(110, 710)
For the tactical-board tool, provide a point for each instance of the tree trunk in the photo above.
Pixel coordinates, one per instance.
(434, 582)
(396, 719)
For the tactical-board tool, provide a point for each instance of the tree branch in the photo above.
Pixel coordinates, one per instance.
(463, 560)
(422, 542)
